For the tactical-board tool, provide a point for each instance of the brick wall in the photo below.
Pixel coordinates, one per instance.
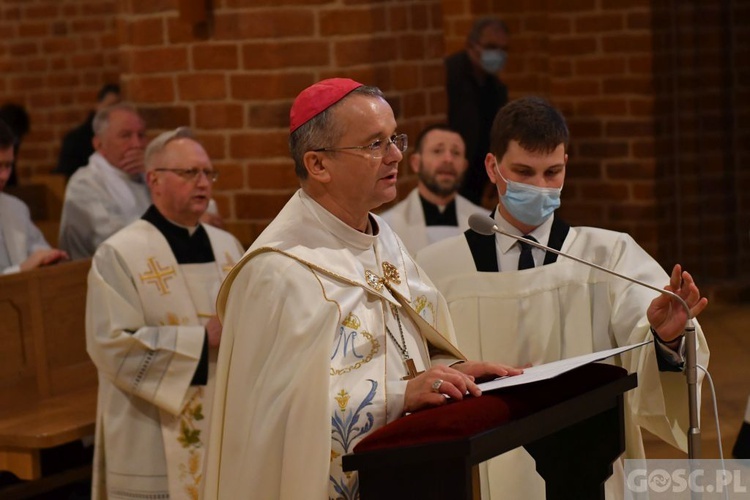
(235, 84)
(55, 55)
(656, 98)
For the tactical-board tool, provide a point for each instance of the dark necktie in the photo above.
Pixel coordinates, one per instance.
(526, 260)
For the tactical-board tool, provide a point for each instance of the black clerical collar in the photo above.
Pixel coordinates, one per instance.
(434, 217)
(187, 248)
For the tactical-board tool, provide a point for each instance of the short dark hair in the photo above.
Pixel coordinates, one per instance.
(7, 138)
(321, 131)
(109, 88)
(480, 24)
(436, 126)
(532, 121)
(16, 117)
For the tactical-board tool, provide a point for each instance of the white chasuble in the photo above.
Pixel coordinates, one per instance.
(558, 311)
(306, 367)
(152, 425)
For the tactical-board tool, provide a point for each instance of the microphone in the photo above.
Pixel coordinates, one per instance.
(484, 224)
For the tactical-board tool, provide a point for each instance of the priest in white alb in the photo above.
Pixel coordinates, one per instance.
(330, 328)
(153, 333)
(110, 192)
(517, 304)
(434, 210)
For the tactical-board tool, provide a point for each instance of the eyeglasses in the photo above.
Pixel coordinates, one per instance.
(377, 149)
(191, 174)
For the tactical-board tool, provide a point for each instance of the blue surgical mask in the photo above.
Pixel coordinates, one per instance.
(529, 204)
(492, 60)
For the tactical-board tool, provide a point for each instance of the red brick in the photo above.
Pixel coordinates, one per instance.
(641, 213)
(628, 85)
(600, 66)
(576, 87)
(149, 89)
(269, 86)
(147, 31)
(274, 3)
(364, 51)
(56, 46)
(589, 128)
(158, 60)
(264, 24)
(269, 115)
(639, 21)
(79, 26)
(285, 54)
(606, 191)
(48, 10)
(628, 43)
(38, 30)
(256, 206)
(398, 16)
(99, 7)
(222, 56)
(412, 47)
(602, 106)
(418, 16)
(231, 177)
(352, 21)
(90, 60)
(24, 49)
(215, 144)
(598, 23)
(219, 116)
(642, 170)
(573, 45)
(202, 87)
(165, 117)
(152, 6)
(262, 145)
(271, 175)
(631, 128)
(603, 150)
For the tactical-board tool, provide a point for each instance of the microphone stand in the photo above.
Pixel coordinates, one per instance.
(486, 225)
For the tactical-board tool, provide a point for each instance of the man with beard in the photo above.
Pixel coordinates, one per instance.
(434, 210)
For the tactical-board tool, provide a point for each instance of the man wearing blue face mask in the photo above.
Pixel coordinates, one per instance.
(516, 304)
(475, 94)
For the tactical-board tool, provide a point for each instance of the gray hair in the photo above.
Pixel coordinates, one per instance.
(321, 131)
(101, 119)
(481, 23)
(156, 147)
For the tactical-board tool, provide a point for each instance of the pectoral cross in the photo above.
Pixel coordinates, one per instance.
(411, 368)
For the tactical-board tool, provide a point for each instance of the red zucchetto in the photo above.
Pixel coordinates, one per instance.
(317, 98)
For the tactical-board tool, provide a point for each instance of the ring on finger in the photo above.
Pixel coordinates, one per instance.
(436, 385)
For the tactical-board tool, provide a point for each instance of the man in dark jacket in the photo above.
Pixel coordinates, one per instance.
(77, 146)
(475, 94)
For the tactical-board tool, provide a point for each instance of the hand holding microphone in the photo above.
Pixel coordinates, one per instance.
(672, 311)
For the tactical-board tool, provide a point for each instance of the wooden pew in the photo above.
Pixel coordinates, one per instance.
(48, 384)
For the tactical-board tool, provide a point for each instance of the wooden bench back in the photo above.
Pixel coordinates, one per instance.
(42, 333)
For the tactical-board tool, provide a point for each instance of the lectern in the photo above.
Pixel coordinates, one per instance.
(573, 426)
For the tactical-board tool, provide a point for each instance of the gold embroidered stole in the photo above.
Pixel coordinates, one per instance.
(166, 300)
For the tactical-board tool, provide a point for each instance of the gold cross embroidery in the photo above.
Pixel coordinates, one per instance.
(158, 275)
(228, 264)
(390, 275)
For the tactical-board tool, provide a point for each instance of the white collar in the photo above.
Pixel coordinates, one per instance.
(540, 233)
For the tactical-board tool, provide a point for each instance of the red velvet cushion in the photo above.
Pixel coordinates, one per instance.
(459, 419)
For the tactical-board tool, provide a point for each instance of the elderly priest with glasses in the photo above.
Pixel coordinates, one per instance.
(152, 330)
(330, 328)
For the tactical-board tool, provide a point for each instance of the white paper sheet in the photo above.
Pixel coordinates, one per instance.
(555, 368)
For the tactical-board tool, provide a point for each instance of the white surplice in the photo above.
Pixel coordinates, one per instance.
(558, 311)
(145, 318)
(19, 237)
(306, 368)
(407, 220)
(100, 199)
